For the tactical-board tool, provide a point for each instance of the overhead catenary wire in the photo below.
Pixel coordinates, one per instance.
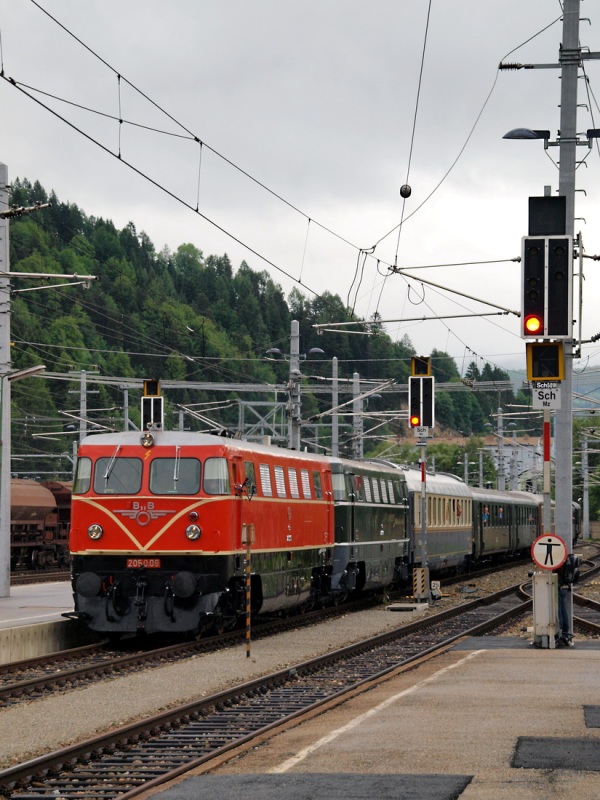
(200, 146)
(186, 133)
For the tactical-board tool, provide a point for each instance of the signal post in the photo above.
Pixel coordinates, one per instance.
(421, 417)
(547, 328)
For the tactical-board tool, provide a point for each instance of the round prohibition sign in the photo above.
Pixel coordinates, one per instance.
(549, 551)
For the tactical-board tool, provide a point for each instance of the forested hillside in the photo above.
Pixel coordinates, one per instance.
(180, 315)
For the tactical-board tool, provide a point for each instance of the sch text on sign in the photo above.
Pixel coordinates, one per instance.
(546, 395)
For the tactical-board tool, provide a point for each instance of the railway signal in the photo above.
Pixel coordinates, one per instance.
(421, 402)
(547, 287)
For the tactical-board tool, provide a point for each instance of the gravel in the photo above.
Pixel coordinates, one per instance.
(46, 724)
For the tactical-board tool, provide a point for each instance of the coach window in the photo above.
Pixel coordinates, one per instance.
(216, 476)
(118, 475)
(175, 476)
(317, 484)
(83, 476)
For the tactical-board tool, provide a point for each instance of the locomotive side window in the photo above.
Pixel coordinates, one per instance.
(375, 488)
(175, 476)
(216, 477)
(118, 476)
(384, 498)
(317, 484)
(293, 481)
(265, 480)
(279, 482)
(305, 484)
(83, 476)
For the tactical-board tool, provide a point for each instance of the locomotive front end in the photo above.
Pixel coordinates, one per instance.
(151, 534)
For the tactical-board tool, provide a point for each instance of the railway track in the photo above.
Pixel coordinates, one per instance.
(39, 576)
(130, 760)
(36, 677)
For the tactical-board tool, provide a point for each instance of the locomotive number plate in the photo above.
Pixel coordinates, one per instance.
(139, 563)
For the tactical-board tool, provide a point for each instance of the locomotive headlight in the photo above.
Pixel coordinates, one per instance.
(95, 532)
(193, 532)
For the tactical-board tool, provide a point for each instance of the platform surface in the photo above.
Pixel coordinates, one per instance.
(493, 719)
(35, 603)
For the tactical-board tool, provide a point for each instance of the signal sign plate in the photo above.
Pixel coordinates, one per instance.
(549, 551)
(546, 396)
(421, 431)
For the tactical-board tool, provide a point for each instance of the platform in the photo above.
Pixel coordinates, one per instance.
(35, 603)
(31, 621)
(491, 719)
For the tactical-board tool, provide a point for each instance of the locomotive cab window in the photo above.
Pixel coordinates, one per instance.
(175, 476)
(249, 474)
(216, 476)
(317, 484)
(118, 475)
(83, 476)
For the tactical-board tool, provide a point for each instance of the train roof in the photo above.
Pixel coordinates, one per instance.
(191, 439)
(497, 496)
(439, 483)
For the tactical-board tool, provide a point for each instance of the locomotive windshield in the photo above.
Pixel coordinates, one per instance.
(175, 476)
(118, 476)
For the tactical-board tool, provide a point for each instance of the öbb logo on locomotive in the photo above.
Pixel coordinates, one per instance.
(156, 530)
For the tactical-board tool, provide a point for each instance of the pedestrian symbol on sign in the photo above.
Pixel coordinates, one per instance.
(549, 551)
(549, 545)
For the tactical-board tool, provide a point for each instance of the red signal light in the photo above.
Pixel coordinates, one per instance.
(533, 324)
(415, 421)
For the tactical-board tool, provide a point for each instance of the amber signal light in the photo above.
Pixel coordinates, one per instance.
(533, 324)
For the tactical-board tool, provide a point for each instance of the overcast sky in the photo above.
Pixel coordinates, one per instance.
(315, 99)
